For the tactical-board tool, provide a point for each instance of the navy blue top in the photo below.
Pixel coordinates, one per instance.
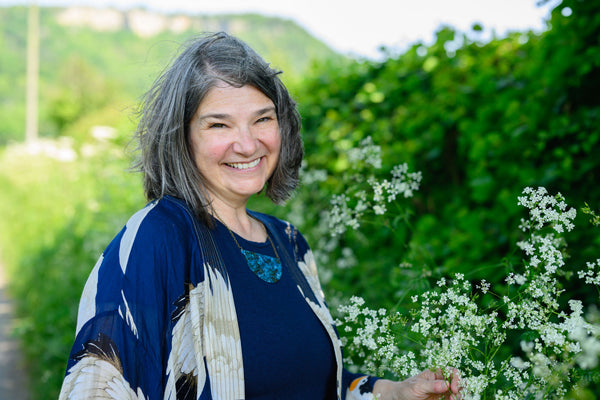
(287, 353)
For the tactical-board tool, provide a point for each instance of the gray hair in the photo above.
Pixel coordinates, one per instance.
(165, 157)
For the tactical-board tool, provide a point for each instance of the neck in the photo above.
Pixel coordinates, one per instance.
(239, 221)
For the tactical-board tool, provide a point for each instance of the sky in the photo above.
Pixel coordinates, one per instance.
(360, 27)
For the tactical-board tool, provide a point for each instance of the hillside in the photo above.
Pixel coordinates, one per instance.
(94, 58)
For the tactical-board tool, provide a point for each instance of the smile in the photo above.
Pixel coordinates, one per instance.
(245, 165)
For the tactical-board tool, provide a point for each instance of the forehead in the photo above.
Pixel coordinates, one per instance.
(224, 98)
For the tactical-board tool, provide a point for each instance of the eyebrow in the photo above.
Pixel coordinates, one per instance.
(257, 113)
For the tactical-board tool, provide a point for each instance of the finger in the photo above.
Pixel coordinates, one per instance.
(455, 383)
(439, 386)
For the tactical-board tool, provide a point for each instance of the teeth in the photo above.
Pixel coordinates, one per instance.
(245, 165)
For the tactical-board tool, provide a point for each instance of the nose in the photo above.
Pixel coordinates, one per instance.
(245, 142)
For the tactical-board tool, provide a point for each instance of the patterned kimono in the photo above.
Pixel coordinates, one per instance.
(158, 320)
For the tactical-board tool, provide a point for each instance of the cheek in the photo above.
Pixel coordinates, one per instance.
(271, 139)
(207, 148)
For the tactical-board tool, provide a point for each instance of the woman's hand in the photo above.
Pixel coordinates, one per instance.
(428, 385)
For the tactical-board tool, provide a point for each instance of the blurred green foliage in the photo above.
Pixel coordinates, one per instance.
(480, 120)
(58, 213)
(82, 69)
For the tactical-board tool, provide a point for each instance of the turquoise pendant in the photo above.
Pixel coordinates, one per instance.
(265, 267)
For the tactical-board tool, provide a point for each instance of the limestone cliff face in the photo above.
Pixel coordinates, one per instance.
(143, 23)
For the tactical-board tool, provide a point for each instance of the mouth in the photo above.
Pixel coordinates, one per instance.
(243, 166)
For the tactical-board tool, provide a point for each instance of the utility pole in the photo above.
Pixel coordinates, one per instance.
(33, 66)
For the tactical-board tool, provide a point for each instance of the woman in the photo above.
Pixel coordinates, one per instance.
(198, 297)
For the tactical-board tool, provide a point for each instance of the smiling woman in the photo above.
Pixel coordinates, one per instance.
(181, 100)
(198, 297)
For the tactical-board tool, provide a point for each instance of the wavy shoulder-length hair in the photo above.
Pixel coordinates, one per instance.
(163, 134)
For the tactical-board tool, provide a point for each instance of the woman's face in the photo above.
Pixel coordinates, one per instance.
(235, 142)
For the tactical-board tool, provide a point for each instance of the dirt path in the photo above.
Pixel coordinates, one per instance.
(13, 382)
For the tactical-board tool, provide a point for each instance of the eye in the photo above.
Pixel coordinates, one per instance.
(217, 125)
(264, 119)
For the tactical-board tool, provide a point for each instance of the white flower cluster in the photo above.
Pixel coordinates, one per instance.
(403, 183)
(308, 176)
(367, 151)
(457, 333)
(373, 339)
(453, 330)
(347, 209)
(342, 216)
(560, 337)
(592, 273)
(539, 285)
(545, 209)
